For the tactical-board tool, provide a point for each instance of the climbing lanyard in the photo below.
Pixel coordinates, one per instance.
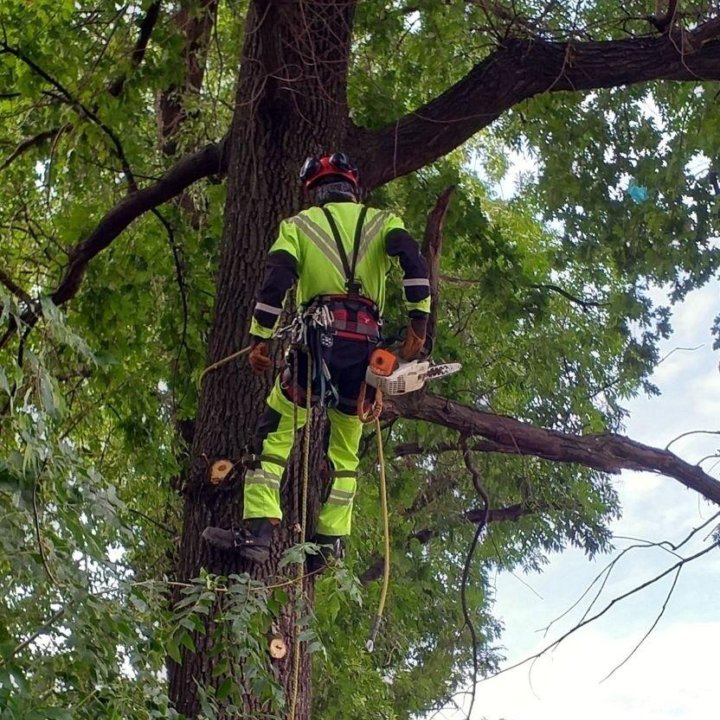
(370, 644)
(224, 360)
(303, 525)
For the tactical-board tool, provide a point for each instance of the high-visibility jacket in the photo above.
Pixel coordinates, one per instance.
(306, 250)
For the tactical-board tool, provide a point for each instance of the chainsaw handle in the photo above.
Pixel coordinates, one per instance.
(393, 343)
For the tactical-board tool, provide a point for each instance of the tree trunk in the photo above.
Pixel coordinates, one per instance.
(290, 102)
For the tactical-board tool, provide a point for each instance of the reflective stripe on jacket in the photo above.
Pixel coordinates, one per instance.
(309, 241)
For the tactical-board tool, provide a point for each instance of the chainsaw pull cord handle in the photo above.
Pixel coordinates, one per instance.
(370, 644)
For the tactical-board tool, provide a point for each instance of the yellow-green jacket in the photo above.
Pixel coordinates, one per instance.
(306, 251)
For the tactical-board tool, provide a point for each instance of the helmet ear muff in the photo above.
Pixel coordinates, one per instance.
(309, 168)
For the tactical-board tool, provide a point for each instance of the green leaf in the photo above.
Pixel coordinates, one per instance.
(225, 688)
(173, 650)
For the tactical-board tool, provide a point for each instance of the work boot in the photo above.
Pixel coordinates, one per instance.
(331, 548)
(252, 541)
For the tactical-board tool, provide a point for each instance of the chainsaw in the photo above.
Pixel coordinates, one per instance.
(393, 376)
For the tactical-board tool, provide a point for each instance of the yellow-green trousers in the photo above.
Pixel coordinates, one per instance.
(276, 432)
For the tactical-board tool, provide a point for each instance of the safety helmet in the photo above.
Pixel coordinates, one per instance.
(338, 165)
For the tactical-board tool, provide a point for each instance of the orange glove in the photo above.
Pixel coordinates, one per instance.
(258, 358)
(414, 340)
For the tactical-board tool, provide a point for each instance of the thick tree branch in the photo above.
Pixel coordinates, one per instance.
(15, 289)
(707, 32)
(519, 70)
(607, 452)
(665, 22)
(432, 248)
(208, 161)
(190, 169)
(195, 22)
(138, 54)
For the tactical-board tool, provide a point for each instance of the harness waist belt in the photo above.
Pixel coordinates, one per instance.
(354, 317)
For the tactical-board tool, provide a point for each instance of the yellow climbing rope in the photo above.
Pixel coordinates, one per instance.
(303, 525)
(303, 509)
(372, 415)
(227, 359)
(370, 645)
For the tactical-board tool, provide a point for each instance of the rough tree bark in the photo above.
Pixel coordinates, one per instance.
(290, 101)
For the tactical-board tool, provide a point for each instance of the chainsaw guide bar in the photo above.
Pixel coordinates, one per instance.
(438, 371)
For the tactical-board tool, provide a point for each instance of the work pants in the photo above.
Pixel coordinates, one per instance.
(347, 361)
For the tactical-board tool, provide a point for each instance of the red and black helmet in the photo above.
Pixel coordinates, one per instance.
(337, 165)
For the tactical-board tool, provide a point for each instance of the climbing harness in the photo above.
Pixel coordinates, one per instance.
(312, 329)
(349, 316)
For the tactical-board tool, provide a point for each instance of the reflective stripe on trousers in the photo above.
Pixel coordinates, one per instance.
(262, 486)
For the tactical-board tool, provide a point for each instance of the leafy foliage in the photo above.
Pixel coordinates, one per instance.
(545, 299)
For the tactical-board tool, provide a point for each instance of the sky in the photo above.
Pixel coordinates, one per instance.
(673, 675)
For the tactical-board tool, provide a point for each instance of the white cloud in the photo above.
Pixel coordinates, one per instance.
(673, 676)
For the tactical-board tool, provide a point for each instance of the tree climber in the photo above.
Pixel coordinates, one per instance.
(338, 251)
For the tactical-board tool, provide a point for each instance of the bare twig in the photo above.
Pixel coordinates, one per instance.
(157, 523)
(677, 349)
(38, 535)
(32, 142)
(477, 482)
(32, 638)
(613, 602)
(585, 304)
(650, 629)
(177, 260)
(692, 432)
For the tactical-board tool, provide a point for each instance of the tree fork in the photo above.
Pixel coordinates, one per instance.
(290, 102)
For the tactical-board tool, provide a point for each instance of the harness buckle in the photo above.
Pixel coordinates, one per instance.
(354, 289)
